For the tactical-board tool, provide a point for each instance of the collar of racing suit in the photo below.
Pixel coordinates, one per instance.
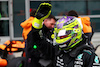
(79, 49)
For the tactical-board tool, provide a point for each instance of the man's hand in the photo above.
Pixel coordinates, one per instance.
(43, 12)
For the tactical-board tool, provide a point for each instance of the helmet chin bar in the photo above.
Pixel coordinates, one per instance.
(62, 46)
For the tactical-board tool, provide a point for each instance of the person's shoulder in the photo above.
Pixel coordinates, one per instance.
(25, 21)
(90, 52)
(31, 17)
(86, 18)
(86, 54)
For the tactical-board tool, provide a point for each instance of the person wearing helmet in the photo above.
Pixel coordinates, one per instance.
(72, 45)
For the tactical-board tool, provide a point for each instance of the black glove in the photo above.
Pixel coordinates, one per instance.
(43, 10)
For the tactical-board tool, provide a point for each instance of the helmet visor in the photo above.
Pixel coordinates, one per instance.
(63, 34)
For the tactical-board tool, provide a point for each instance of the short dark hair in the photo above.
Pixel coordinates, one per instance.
(32, 13)
(72, 13)
(51, 16)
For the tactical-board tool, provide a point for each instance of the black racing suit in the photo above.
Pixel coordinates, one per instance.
(34, 57)
(80, 56)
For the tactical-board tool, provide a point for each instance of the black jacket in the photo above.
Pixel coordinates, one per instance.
(36, 54)
(80, 56)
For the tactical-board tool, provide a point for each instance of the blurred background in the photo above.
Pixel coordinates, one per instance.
(14, 12)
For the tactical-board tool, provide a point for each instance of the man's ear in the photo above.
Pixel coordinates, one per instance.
(45, 20)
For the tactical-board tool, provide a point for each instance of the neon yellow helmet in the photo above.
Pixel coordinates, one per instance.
(68, 32)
